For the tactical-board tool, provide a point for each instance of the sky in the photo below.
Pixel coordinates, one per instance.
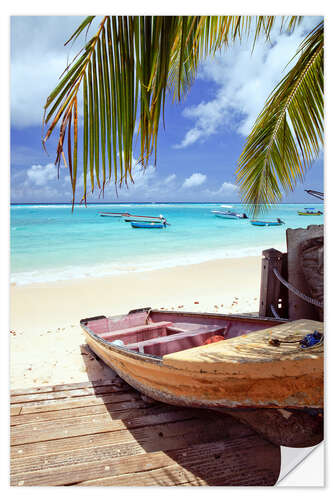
(203, 138)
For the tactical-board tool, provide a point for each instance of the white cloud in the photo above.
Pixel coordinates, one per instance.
(194, 180)
(38, 58)
(227, 191)
(41, 175)
(244, 83)
(170, 178)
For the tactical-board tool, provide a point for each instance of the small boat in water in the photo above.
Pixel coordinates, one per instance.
(310, 211)
(144, 218)
(149, 224)
(113, 214)
(228, 214)
(256, 222)
(213, 360)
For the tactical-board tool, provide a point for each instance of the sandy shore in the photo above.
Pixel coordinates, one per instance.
(47, 341)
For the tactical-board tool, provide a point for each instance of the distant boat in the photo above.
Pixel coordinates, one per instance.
(149, 224)
(227, 214)
(255, 222)
(134, 218)
(113, 214)
(309, 211)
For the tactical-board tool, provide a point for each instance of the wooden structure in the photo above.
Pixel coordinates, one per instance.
(275, 297)
(103, 433)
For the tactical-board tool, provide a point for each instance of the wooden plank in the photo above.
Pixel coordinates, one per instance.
(206, 460)
(67, 387)
(78, 402)
(50, 396)
(203, 457)
(72, 403)
(248, 461)
(165, 437)
(152, 439)
(79, 426)
(15, 410)
(252, 348)
(115, 409)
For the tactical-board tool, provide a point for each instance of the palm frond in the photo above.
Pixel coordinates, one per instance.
(288, 133)
(125, 70)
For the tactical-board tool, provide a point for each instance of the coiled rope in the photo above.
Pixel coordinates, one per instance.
(294, 290)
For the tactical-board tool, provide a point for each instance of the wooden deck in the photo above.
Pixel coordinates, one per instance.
(103, 433)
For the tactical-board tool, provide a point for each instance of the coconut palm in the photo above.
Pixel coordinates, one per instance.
(122, 76)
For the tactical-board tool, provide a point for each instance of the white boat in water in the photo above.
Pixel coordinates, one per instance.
(228, 214)
(113, 214)
(138, 218)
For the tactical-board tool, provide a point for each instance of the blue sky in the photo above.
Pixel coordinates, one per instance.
(197, 152)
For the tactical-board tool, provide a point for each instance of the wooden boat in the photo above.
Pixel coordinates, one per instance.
(181, 359)
(113, 214)
(228, 214)
(309, 211)
(256, 222)
(148, 224)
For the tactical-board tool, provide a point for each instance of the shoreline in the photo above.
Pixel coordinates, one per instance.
(254, 252)
(44, 317)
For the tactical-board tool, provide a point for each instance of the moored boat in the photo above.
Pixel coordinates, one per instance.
(256, 222)
(149, 224)
(309, 211)
(212, 360)
(228, 214)
(144, 218)
(113, 214)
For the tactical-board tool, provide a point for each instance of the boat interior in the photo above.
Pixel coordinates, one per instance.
(159, 333)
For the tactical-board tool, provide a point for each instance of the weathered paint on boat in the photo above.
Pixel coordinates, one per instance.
(244, 371)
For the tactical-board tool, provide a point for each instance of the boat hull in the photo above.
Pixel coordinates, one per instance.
(147, 225)
(211, 377)
(226, 215)
(111, 215)
(304, 213)
(142, 218)
(263, 223)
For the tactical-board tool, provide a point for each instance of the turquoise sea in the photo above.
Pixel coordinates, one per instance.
(49, 242)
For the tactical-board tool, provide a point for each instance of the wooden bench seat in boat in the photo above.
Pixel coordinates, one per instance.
(138, 333)
(178, 341)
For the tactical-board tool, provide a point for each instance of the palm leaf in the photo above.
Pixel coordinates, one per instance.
(287, 136)
(132, 62)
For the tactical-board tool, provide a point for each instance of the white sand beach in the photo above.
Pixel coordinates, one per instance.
(45, 334)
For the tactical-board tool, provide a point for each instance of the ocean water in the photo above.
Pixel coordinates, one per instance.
(49, 242)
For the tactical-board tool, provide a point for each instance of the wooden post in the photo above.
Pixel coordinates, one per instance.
(270, 285)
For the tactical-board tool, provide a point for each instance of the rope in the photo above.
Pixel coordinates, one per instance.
(294, 290)
(275, 314)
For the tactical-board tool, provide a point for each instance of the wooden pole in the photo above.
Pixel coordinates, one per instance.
(270, 285)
